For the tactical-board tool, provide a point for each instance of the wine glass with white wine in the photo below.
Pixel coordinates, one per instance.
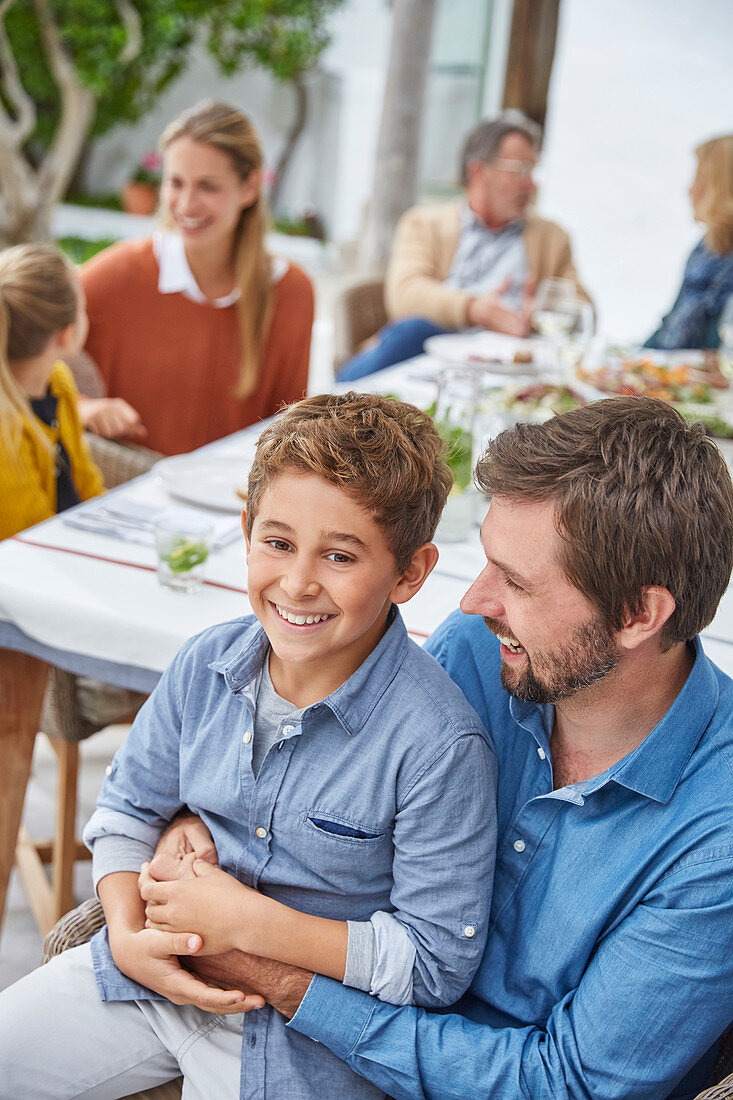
(555, 313)
(574, 347)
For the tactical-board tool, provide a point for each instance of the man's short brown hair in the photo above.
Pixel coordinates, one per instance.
(384, 453)
(643, 498)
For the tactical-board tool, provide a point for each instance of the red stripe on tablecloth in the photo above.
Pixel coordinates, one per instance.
(116, 561)
(145, 568)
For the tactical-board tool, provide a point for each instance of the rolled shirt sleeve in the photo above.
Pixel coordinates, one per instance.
(360, 955)
(380, 958)
(111, 853)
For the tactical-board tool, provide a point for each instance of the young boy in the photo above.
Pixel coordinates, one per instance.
(348, 787)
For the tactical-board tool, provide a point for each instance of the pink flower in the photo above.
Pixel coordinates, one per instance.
(152, 162)
(148, 169)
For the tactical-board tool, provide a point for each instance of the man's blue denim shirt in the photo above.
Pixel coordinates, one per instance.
(380, 798)
(608, 971)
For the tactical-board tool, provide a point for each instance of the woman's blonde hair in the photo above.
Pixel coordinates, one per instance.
(715, 165)
(39, 296)
(227, 129)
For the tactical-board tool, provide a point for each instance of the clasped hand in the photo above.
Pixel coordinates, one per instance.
(161, 959)
(153, 959)
(201, 897)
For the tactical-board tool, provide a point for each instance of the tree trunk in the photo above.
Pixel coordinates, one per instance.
(291, 139)
(530, 57)
(29, 193)
(398, 147)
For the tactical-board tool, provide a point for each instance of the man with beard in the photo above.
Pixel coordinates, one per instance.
(608, 971)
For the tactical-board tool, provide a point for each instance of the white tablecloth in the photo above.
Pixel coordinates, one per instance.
(93, 603)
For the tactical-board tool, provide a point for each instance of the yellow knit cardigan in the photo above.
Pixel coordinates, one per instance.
(28, 474)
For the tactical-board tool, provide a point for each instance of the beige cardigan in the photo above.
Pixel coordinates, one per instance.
(425, 242)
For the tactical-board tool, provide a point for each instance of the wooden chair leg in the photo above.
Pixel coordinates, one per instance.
(50, 899)
(64, 842)
(22, 684)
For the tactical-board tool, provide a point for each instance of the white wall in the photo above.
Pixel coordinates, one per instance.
(636, 85)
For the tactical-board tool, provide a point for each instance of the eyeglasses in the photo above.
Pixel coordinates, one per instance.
(523, 168)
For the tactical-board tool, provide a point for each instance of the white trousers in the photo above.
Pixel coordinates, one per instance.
(58, 1040)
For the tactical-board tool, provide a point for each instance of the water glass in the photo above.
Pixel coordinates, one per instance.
(725, 331)
(455, 413)
(183, 547)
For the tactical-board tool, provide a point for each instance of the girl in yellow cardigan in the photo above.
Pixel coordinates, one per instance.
(45, 463)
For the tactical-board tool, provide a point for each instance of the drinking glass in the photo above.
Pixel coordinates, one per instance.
(573, 347)
(455, 412)
(555, 314)
(725, 331)
(183, 547)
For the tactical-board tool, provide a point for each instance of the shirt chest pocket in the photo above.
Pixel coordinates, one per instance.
(356, 853)
(345, 830)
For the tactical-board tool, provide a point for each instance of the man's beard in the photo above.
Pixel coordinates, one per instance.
(588, 656)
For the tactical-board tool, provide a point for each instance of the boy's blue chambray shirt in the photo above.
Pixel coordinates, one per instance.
(608, 971)
(380, 798)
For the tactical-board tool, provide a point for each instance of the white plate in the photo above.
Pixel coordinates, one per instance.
(207, 482)
(492, 351)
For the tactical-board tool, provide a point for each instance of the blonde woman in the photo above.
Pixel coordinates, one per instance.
(45, 464)
(198, 331)
(708, 277)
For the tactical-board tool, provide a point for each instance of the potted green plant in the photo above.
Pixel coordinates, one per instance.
(140, 193)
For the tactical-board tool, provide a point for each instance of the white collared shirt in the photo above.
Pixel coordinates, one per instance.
(484, 258)
(175, 275)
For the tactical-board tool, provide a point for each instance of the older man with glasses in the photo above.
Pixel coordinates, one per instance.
(475, 261)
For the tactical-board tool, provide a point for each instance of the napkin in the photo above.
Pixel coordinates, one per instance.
(121, 516)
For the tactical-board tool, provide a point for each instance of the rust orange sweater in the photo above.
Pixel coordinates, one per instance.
(177, 361)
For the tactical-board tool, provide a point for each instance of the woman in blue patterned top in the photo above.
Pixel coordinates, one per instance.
(708, 278)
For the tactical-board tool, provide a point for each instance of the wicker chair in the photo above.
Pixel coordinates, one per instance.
(721, 1091)
(358, 313)
(74, 708)
(80, 925)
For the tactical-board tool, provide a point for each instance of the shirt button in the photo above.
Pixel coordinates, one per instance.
(288, 730)
(108, 770)
(247, 737)
(519, 845)
(469, 931)
(541, 753)
(261, 832)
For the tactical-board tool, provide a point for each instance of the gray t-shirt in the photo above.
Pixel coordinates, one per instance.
(271, 710)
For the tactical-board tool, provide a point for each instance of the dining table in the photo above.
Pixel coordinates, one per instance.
(89, 601)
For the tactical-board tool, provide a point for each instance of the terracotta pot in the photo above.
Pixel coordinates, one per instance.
(139, 198)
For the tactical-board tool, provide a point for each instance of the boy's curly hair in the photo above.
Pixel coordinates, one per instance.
(386, 454)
